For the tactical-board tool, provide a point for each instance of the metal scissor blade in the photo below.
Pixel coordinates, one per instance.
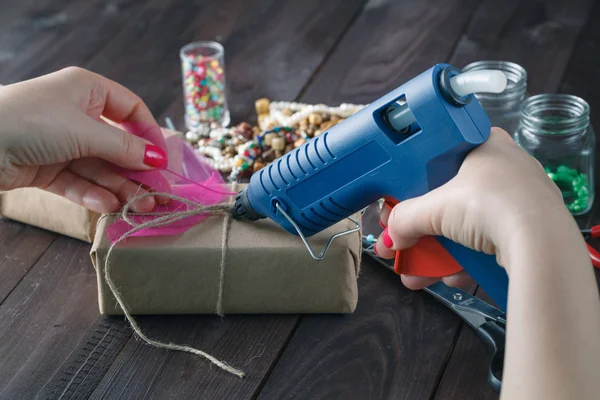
(474, 311)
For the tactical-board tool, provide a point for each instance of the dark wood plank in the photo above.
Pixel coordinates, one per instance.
(144, 55)
(81, 373)
(35, 29)
(388, 45)
(20, 247)
(397, 341)
(276, 53)
(42, 319)
(540, 36)
(466, 374)
(90, 33)
(392, 346)
(251, 343)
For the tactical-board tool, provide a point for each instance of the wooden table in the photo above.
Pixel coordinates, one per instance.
(399, 343)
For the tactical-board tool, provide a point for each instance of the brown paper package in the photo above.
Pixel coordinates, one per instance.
(267, 270)
(48, 211)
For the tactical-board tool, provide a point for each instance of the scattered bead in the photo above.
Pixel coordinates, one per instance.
(299, 142)
(262, 106)
(315, 119)
(268, 138)
(257, 166)
(278, 143)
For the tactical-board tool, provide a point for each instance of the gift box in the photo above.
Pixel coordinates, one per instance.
(266, 270)
(49, 211)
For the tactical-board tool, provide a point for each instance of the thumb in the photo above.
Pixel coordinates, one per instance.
(412, 219)
(119, 147)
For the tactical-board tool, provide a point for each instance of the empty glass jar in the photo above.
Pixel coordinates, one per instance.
(503, 109)
(556, 130)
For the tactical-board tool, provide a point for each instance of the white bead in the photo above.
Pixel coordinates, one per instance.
(192, 136)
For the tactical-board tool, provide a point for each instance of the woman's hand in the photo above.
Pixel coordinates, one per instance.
(59, 132)
(499, 191)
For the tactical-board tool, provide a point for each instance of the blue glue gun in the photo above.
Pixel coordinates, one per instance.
(405, 144)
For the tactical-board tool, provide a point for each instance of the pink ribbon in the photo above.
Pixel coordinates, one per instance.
(187, 175)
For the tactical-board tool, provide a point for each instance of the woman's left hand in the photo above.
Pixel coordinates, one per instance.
(59, 132)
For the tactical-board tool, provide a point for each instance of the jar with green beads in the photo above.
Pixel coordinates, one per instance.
(556, 130)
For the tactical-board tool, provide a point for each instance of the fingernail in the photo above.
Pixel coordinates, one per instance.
(387, 240)
(154, 156)
(382, 225)
(375, 251)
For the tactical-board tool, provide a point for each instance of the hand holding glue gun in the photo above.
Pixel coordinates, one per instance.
(403, 145)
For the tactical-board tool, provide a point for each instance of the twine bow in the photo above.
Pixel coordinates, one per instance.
(164, 219)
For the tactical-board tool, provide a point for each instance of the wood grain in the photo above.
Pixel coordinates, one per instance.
(35, 29)
(387, 46)
(277, 51)
(467, 372)
(392, 346)
(250, 343)
(396, 343)
(42, 319)
(538, 35)
(20, 247)
(144, 55)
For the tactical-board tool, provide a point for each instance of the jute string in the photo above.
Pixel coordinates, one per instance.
(163, 219)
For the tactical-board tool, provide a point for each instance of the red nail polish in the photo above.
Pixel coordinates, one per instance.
(154, 156)
(375, 251)
(382, 225)
(387, 240)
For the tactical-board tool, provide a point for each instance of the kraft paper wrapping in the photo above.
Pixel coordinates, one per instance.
(268, 271)
(48, 211)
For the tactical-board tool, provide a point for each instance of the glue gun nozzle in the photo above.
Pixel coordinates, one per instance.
(242, 209)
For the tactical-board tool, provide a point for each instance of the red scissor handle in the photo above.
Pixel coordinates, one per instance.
(594, 255)
(427, 258)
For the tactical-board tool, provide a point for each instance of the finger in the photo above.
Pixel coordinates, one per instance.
(102, 96)
(83, 192)
(414, 218)
(382, 251)
(122, 106)
(98, 139)
(460, 279)
(417, 282)
(101, 174)
(384, 215)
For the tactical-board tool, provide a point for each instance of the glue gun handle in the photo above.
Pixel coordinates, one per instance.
(483, 268)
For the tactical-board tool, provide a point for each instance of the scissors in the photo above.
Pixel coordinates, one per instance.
(593, 232)
(488, 322)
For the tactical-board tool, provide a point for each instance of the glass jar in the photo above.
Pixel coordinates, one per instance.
(556, 130)
(503, 109)
(203, 74)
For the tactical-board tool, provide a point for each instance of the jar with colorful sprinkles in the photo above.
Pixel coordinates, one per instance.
(204, 90)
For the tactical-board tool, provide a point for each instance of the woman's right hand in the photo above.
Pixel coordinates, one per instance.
(499, 194)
